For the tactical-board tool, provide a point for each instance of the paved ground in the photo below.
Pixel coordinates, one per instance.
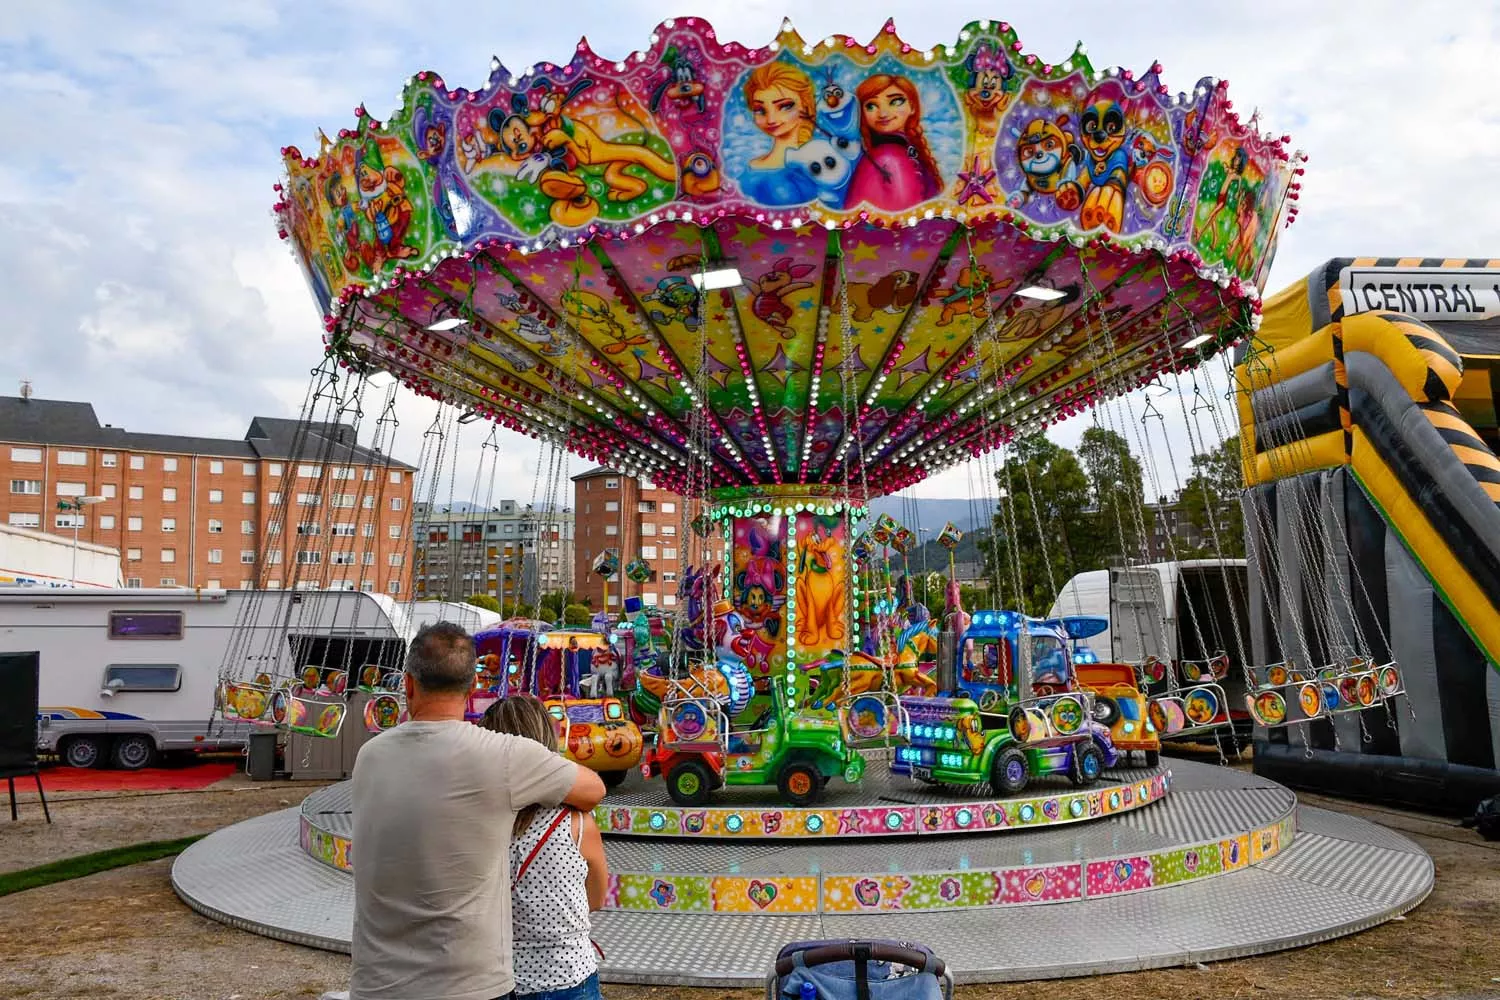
(124, 934)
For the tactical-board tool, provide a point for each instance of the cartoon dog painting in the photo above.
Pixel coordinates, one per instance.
(893, 294)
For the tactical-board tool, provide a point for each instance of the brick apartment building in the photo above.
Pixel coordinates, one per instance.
(508, 552)
(615, 511)
(288, 505)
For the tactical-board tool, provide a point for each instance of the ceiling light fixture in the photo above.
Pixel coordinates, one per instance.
(1042, 294)
(719, 277)
(444, 325)
(1202, 338)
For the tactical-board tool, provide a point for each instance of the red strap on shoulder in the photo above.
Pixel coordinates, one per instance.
(556, 822)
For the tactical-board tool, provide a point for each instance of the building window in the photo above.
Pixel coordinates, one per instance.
(670, 576)
(309, 471)
(109, 460)
(308, 499)
(669, 601)
(369, 559)
(26, 454)
(106, 522)
(274, 499)
(306, 558)
(247, 557)
(215, 467)
(169, 524)
(669, 553)
(247, 527)
(215, 556)
(645, 507)
(143, 677)
(668, 507)
(368, 503)
(395, 503)
(648, 529)
(611, 484)
(69, 521)
(71, 489)
(247, 497)
(169, 465)
(29, 487)
(308, 528)
(343, 531)
(274, 528)
(273, 584)
(395, 530)
(369, 531)
(145, 624)
(367, 585)
(273, 558)
(132, 581)
(169, 494)
(133, 555)
(137, 492)
(72, 458)
(211, 584)
(24, 520)
(132, 524)
(611, 529)
(651, 597)
(247, 584)
(215, 527)
(169, 581)
(215, 496)
(369, 475)
(395, 477)
(274, 469)
(648, 551)
(137, 462)
(344, 501)
(610, 506)
(107, 491)
(669, 529)
(395, 559)
(394, 587)
(168, 555)
(247, 468)
(341, 558)
(343, 472)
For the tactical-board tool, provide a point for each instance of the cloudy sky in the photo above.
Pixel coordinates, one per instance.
(142, 272)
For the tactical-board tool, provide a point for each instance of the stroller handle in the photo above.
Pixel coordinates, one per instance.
(862, 951)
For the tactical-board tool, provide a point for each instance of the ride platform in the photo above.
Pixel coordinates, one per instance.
(1224, 866)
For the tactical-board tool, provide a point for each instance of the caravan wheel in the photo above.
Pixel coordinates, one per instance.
(131, 753)
(83, 751)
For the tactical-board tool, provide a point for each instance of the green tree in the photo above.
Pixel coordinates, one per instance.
(553, 603)
(484, 601)
(1211, 499)
(1112, 534)
(1042, 526)
(577, 614)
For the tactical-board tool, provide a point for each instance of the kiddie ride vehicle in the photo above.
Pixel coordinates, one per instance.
(1021, 711)
(697, 750)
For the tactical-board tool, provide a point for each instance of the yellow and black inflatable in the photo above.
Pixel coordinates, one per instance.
(1369, 428)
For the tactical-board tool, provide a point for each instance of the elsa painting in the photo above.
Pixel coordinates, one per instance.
(783, 106)
(898, 170)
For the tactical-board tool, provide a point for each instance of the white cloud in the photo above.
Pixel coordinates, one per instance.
(142, 272)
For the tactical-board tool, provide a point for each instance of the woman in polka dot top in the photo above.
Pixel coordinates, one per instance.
(558, 877)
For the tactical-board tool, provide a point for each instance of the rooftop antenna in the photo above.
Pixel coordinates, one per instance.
(26, 388)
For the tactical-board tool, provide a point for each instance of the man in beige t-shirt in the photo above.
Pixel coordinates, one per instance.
(434, 803)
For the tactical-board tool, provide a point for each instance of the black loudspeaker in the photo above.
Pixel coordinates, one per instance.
(20, 676)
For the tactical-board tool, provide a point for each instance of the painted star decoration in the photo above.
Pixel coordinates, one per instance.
(975, 183)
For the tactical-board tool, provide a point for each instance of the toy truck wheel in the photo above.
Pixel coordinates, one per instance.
(613, 779)
(1009, 771)
(1088, 764)
(800, 783)
(1153, 758)
(1105, 711)
(690, 782)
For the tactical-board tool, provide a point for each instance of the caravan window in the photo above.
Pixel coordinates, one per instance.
(145, 625)
(144, 676)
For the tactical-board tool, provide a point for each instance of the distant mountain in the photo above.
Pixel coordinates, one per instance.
(933, 513)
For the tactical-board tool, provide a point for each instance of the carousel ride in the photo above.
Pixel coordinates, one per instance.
(782, 282)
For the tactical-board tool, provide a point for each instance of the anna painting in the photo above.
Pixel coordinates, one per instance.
(898, 170)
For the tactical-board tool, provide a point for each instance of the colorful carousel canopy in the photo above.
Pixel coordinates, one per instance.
(831, 262)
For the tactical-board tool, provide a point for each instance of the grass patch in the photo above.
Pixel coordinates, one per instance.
(92, 864)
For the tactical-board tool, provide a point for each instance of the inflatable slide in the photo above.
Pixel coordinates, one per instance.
(1368, 419)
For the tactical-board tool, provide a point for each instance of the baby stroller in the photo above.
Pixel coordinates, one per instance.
(858, 970)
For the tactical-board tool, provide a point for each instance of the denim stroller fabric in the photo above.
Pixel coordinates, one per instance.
(836, 981)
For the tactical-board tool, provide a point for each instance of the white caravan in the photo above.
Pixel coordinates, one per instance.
(126, 674)
(1174, 611)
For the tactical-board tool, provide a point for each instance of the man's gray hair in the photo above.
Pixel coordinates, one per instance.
(441, 659)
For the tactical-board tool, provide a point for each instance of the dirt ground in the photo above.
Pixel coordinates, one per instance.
(124, 933)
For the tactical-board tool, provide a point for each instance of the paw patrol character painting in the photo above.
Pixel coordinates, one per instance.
(1049, 158)
(545, 147)
(897, 171)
